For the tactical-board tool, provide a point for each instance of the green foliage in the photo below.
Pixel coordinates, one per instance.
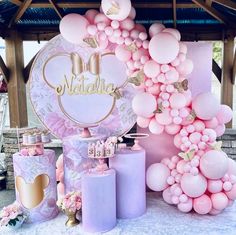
(218, 52)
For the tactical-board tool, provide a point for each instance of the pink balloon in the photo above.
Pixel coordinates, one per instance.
(183, 48)
(232, 167)
(100, 17)
(232, 193)
(144, 105)
(127, 24)
(156, 176)
(177, 141)
(69, 28)
(164, 118)
(220, 130)
(195, 137)
(59, 163)
(151, 69)
(174, 32)
(219, 201)
(132, 13)
(185, 67)
(214, 186)
(155, 29)
(154, 89)
(206, 100)
(143, 122)
(180, 166)
(212, 123)
(61, 189)
(155, 127)
(225, 114)
(90, 15)
(177, 100)
(172, 129)
(172, 75)
(116, 10)
(193, 185)
(166, 194)
(214, 212)
(186, 206)
(140, 28)
(214, 164)
(122, 53)
(202, 205)
(163, 48)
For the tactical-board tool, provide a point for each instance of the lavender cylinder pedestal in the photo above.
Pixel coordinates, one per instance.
(99, 201)
(36, 186)
(130, 183)
(75, 158)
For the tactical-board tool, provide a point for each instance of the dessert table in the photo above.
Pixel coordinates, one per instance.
(160, 219)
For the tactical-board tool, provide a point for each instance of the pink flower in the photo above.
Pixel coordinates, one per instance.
(4, 221)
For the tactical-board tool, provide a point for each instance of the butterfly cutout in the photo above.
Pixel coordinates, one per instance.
(187, 156)
(216, 146)
(132, 47)
(116, 94)
(159, 109)
(181, 86)
(91, 41)
(114, 9)
(191, 116)
(138, 79)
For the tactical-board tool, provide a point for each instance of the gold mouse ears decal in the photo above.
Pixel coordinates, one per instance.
(32, 194)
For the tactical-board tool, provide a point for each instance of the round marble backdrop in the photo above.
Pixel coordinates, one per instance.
(74, 86)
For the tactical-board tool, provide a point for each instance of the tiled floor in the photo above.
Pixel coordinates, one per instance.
(6, 197)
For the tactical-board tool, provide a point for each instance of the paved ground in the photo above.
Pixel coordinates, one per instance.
(6, 197)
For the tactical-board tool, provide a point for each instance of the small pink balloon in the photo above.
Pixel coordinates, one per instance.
(174, 32)
(182, 58)
(100, 17)
(232, 193)
(166, 194)
(90, 15)
(172, 75)
(172, 129)
(69, 28)
(144, 105)
(115, 24)
(155, 127)
(186, 206)
(220, 130)
(195, 137)
(219, 201)
(175, 200)
(170, 180)
(183, 198)
(154, 89)
(177, 100)
(143, 122)
(122, 53)
(202, 205)
(199, 125)
(193, 186)
(177, 141)
(185, 67)
(134, 34)
(225, 114)
(151, 69)
(214, 186)
(132, 13)
(155, 29)
(127, 24)
(227, 186)
(140, 28)
(164, 118)
(180, 166)
(183, 48)
(143, 36)
(156, 176)
(214, 164)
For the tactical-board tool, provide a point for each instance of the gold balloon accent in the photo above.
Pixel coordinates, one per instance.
(181, 86)
(187, 156)
(114, 9)
(138, 79)
(91, 41)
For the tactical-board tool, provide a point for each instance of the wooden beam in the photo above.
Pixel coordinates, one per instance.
(4, 70)
(216, 70)
(16, 86)
(16, 2)
(226, 84)
(213, 12)
(27, 69)
(20, 12)
(234, 69)
(174, 13)
(58, 10)
(227, 3)
(208, 2)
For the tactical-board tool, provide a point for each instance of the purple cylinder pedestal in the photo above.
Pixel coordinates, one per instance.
(130, 183)
(99, 201)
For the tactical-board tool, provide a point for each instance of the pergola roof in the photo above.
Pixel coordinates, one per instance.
(40, 19)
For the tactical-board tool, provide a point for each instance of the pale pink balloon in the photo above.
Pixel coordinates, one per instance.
(100, 17)
(155, 29)
(195, 137)
(227, 186)
(115, 24)
(180, 166)
(122, 53)
(172, 75)
(214, 164)
(225, 114)
(144, 105)
(122, 7)
(156, 176)
(202, 205)
(193, 185)
(177, 100)
(155, 127)
(185, 67)
(164, 118)
(154, 89)
(214, 186)
(220, 130)
(232, 193)
(143, 122)
(90, 15)
(214, 212)
(174, 32)
(151, 69)
(132, 13)
(163, 48)
(204, 100)
(183, 48)
(219, 201)
(186, 206)
(127, 24)
(140, 28)
(232, 167)
(172, 129)
(166, 194)
(69, 28)
(177, 140)
(212, 123)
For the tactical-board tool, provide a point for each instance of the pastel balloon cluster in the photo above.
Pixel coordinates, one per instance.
(60, 176)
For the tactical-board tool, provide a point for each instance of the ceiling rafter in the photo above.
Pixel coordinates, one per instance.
(21, 10)
(174, 13)
(58, 10)
(227, 3)
(16, 2)
(208, 2)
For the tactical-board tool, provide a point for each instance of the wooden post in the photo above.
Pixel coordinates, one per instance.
(227, 75)
(16, 86)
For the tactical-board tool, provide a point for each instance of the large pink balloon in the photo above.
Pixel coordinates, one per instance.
(204, 100)
(174, 32)
(155, 29)
(73, 27)
(219, 201)
(116, 9)
(90, 15)
(185, 67)
(122, 53)
(144, 104)
(177, 101)
(214, 164)
(202, 205)
(132, 13)
(193, 185)
(225, 114)
(163, 48)
(155, 127)
(143, 122)
(151, 69)
(214, 186)
(156, 176)
(164, 118)
(220, 130)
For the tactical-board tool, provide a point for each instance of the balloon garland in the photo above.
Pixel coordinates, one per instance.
(201, 177)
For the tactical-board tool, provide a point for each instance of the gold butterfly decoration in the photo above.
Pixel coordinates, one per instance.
(114, 9)
(132, 47)
(138, 79)
(216, 146)
(116, 94)
(91, 41)
(191, 116)
(187, 156)
(181, 86)
(159, 109)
